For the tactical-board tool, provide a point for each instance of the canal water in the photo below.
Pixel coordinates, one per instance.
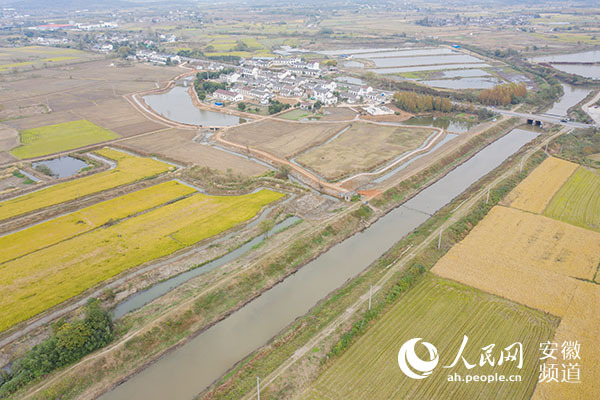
(190, 369)
(177, 106)
(571, 96)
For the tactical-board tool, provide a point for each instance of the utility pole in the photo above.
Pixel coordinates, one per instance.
(546, 149)
(440, 240)
(370, 295)
(258, 387)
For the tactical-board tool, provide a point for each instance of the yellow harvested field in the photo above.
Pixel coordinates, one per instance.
(580, 323)
(56, 230)
(41, 280)
(129, 169)
(537, 190)
(531, 251)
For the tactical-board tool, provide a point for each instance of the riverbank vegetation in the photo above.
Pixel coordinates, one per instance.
(68, 343)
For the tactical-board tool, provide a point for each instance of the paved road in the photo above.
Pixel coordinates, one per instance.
(544, 118)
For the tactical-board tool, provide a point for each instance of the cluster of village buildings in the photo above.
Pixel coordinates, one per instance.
(261, 79)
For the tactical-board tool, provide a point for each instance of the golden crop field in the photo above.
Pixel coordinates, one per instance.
(510, 251)
(40, 280)
(580, 323)
(536, 191)
(56, 230)
(129, 169)
(440, 312)
(578, 201)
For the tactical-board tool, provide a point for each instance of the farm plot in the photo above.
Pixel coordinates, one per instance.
(511, 250)
(536, 191)
(9, 138)
(67, 226)
(21, 58)
(179, 145)
(129, 169)
(362, 148)
(60, 137)
(580, 323)
(441, 312)
(337, 114)
(41, 280)
(88, 90)
(578, 201)
(284, 139)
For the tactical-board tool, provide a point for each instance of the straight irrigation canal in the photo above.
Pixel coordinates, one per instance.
(190, 369)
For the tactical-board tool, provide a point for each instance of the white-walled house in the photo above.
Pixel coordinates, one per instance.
(227, 95)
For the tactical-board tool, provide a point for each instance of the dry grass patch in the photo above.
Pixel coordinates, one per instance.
(536, 191)
(178, 144)
(362, 148)
(284, 139)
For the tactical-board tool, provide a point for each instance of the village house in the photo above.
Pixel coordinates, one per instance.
(227, 95)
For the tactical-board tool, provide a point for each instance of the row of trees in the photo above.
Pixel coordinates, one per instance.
(503, 95)
(69, 342)
(415, 103)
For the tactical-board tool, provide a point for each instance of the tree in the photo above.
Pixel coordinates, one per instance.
(266, 226)
(125, 51)
(241, 106)
(283, 172)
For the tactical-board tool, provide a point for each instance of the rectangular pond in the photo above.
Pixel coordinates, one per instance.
(61, 167)
(586, 70)
(408, 53)
(465, 83)
(399, 70)
(423, 60)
